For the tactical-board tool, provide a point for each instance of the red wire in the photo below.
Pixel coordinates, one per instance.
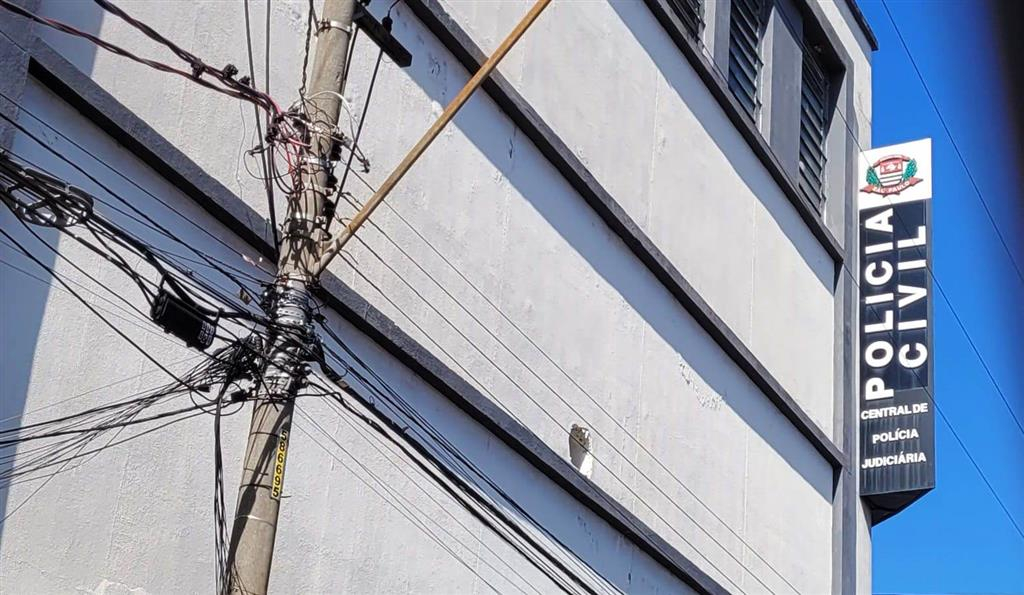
(234, 88)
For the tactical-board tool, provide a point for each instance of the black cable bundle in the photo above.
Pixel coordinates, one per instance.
(183, 320)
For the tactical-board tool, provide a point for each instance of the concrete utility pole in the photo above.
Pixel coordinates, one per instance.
(259, 495)
(304, 255)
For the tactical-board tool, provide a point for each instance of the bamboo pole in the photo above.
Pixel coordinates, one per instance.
(333, 247)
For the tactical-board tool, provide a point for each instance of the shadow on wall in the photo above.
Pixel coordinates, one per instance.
(559, 205)
(86, 16)
(23, 302)
(23, 299)
(682, 78)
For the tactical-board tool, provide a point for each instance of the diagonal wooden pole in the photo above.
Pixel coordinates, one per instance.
(331, 248)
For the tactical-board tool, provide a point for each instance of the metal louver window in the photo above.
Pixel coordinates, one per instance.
(691, 13)
(746, 24)
(813, 125)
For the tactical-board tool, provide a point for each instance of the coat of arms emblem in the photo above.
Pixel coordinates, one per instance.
(891, 175)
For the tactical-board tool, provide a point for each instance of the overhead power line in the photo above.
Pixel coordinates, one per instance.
(392, 498)
(450, 459)
(225, 82)
(853, 276)
(385, 449)
(139, 216)
(952, 141)
(267, 176)
(256, 117)
(669, 525)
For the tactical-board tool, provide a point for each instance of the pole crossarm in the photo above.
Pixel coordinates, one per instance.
(331, 248)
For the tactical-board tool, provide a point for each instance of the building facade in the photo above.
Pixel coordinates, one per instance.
(644, 226)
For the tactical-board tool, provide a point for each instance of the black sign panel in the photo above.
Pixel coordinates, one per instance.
(897, 425)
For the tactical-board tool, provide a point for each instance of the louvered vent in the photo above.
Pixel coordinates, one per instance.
(691, 13)
(813, 125)
(746, 27)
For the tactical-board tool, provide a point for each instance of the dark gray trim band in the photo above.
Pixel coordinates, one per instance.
(458, 42)
(865, 28)
(17, 35)
(98, 106)
(845, 504)
(82, 93)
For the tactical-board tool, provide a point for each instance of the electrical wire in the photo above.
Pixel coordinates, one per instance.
(497, 524)
(988, 212)
(398, 496)
(149, 221)
(227, 85)
(282, 132)
(98, 226)
(85, 426)
(936, 280)
(259, 127)
(404, 511)
(956, 147)
(129, 316)
(460, 461)
(928, 390)
(386, 451)
(931, 272)
(128, 241)
(963, 329)
(551, 416)
(401, 408)
(226, 366)
(85, 303)
(358, 135)
(305, 53)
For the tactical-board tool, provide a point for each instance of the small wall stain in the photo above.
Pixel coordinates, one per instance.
(706, 397)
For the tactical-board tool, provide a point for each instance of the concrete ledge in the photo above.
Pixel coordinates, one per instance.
(458, 42)
(82, 93)
(865, 28)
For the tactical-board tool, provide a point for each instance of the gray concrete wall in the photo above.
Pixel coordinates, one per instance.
(138, 515)
(681, 170)
(542, 309)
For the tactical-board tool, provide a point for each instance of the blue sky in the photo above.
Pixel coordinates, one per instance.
(957, 539)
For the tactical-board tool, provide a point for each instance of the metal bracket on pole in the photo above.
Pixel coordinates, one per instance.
(325, 24)
(381, 35)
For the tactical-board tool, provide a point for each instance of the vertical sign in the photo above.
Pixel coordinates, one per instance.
(897, 425)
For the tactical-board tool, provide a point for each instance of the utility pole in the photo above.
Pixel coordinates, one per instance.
(259, 495)
(304, 255)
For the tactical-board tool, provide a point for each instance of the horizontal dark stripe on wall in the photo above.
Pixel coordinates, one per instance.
(121, 124)
(458, 42)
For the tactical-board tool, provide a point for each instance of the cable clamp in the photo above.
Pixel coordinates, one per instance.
(328, 24)
(319, 162)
